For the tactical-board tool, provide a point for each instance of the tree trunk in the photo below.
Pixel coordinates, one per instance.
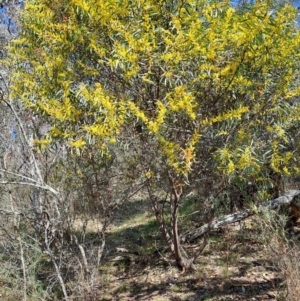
(182, 261)
(170, 234)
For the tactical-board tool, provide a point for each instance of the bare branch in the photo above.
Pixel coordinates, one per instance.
(44, 187)
(17, 175)
(20, 124)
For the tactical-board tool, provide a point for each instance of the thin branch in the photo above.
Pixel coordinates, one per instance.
(17, 175)
(20, 124)
(85, 262)
(44, 187)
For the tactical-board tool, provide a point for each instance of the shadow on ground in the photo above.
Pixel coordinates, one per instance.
(148, 271)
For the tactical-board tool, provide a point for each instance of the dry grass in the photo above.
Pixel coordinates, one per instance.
(234, 266)
(247, 261)
(289, 265)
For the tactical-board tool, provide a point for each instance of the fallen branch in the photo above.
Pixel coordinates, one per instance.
(285, 199)
(288, 199)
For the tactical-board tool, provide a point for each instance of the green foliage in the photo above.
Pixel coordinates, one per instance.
(187, 71)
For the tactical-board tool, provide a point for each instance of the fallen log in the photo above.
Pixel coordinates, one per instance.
(289, 199)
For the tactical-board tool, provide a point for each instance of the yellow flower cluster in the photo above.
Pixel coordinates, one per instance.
(91, 67)
(232, 114)
(181, 100)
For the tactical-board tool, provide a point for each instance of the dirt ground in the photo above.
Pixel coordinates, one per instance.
(235, 265)
(242, 261)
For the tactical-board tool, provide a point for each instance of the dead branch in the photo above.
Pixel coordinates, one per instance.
(287, 199)
(44, 187)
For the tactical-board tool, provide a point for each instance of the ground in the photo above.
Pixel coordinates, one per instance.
(235, 265)
(242, 261)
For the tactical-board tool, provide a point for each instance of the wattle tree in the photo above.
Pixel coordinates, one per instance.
(210, 89)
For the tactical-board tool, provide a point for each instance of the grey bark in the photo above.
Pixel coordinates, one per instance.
(287, 199)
